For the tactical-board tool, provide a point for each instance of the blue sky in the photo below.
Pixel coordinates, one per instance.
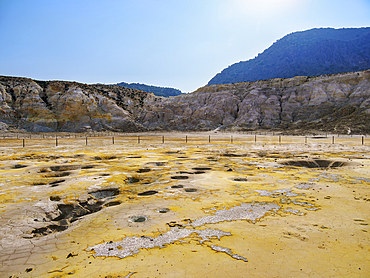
(170, 43)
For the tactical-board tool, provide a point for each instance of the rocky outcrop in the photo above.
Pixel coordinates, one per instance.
(336, 103)
(41, 106)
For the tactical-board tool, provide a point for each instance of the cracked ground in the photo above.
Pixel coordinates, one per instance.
(172, 206)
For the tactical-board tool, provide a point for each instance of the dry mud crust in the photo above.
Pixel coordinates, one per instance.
(252, 211)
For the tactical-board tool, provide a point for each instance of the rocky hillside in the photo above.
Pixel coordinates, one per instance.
(308, 53)
(41, 106)
(333, 103)
(156, 90)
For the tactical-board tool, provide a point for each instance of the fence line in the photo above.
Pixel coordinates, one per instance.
(115, 139)
(39, 135)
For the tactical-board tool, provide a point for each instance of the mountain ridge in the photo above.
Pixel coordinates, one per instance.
(156, 90)
(306, 53)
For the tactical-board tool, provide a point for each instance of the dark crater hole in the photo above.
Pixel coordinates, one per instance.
(39, 183)
(132, 180)
(68, 213)
(72, 212)
(104, 193)
(202, 168)
(48, 230)
(179, 177)
(148, 193)
(110, 157)
(163, 210)
(211, 158)
(54, 198)
(185, 172)
(62, 168)
(233, 155)
(173, 152)
(143, 170)
(177, 186)
(138, 219)
(66, 210)
(190, 190)
(240, 179)
(199, 172)
(56, 183)
(159, 163)
(111, 204)
(87, 167)
(315, 163)
(104, 157)
(19, 166)
(58, 174)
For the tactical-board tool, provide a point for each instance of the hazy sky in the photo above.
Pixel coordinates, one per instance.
(170, 43)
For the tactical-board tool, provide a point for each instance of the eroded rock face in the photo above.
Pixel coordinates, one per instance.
(67, 106)
(336, 103)
(21, 104)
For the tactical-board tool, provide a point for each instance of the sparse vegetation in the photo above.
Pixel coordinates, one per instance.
(156, 90)
(308, 53)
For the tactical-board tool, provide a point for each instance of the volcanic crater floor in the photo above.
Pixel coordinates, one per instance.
(176, 209)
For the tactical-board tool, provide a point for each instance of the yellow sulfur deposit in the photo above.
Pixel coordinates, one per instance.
(176, 205)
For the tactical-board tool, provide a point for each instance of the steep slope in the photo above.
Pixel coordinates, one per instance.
(158, 91)
(42, 106)
(309, 53)
(335, 103)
